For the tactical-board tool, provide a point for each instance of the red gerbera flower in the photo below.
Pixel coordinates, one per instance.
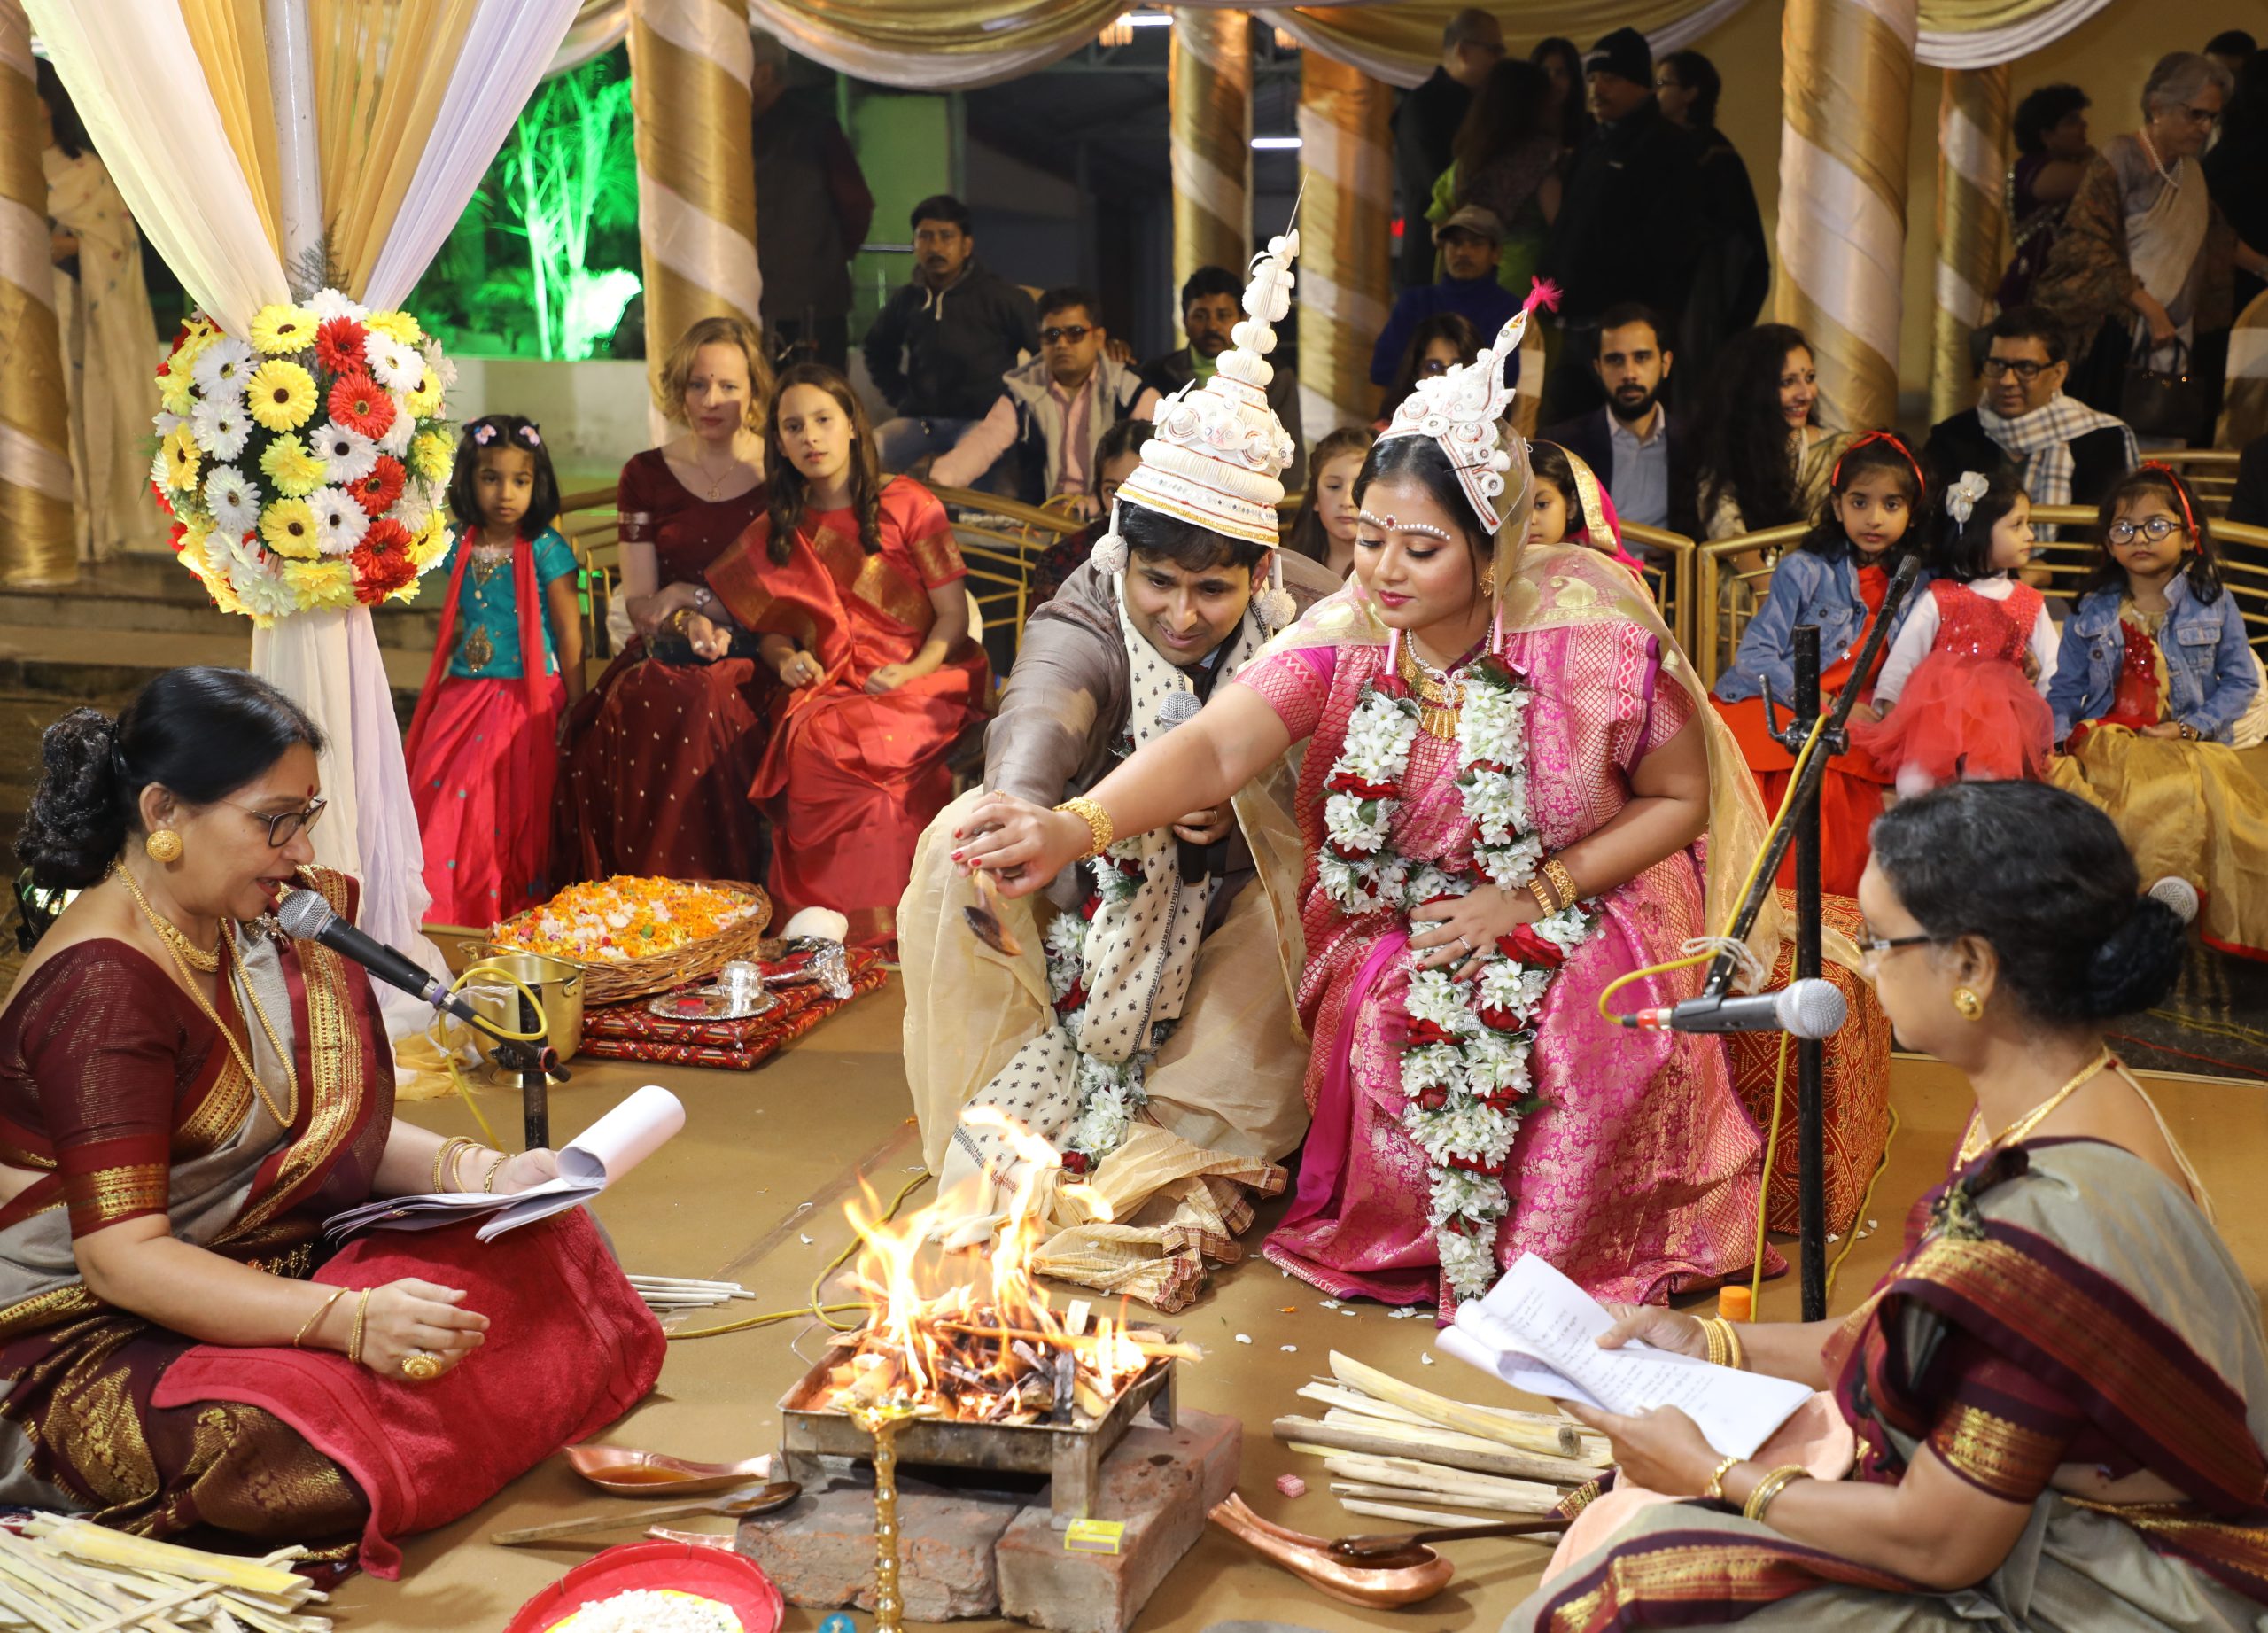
(360, 404)
(338, 344)
(174, 534)
(164, 504)
(384, 537)
(376, 491)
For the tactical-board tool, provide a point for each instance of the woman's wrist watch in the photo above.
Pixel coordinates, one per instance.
(2189, 734)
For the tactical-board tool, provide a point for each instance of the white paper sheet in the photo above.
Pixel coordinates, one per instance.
(1537, 1330)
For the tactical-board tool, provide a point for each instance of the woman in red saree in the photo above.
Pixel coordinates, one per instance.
(183, 1099)
(2051, 1413)
(853, 590)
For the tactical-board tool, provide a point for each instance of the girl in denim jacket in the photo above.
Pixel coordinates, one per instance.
(2153, 676)
(1836, 579)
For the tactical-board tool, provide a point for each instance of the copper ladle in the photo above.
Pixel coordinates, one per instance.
(1309, 1558)
(983, 916)
(1398, 1550)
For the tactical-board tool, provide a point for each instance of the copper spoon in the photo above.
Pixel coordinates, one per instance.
(1391, 1551)
(984, 917)
(746, 1500)
(1307, 1559)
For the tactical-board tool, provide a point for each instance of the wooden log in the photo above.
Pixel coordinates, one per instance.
(1422, 1518)
(1455, 1499)
(1412, 1474)
(1456, 1450)
(1529, 1431)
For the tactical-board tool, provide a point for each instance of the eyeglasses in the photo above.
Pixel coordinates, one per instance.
(1073, 332)
(286, 826)
(1877, 946)
(2200, 116)
(2024, 367)
(1432, 366)
(2157, 529)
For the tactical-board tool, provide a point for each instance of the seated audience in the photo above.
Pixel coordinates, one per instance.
(849, 589)
(812, 212)
(2061, 451)
(1506, 161)
(2152, 684)
(2087, 1453)
(1734, 270)
(1426, 124)
(1764, 460)
(1644, 459)
(2053, 153)
(1570, 508)
(1436, 345)
(657, 759)
(937, 351)
(1209, 312)
(1471, 241)
(1116, 455)
(189, 1095)
(1323, 531)
(1055, 410)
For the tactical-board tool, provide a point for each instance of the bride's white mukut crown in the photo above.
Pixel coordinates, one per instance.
(1462, 410)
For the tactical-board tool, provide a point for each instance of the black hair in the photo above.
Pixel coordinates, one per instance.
(2156, 482)
(1119, 439)
(1699, 75)
(2031, 322)
(2042, 878)
(2232, 43)
(1186, 545)
(202, 732)
(1063, 298)
(1964, 548)
(1450, 326)
(1506, 113)
(1744, 435)
(1467, 27)
(1883, 450)
(503, 430)
(940, 207)
(1623, 312)
(1210, 281)
(1575, 114)
(2042, 111)
(62, 113)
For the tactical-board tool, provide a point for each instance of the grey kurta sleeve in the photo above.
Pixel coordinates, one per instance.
(1059, 709)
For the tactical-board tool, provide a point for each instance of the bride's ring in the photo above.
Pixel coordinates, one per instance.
(421, 1366)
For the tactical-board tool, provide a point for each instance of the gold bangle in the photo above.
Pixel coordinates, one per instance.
(354, 1338)
(1100, 831)
(1563, 882)
(1542, 891)
(451, 1148)
(488, 1180)
(1715, 1489)
(1713, 1333)
(1737, 1358)
(309, 1325)
(1762, 1496)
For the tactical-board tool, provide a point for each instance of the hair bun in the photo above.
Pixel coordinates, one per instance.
(74, 826)
(2138, 966)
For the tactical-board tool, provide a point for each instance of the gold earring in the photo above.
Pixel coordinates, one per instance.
(163, 847)
(1488, 582)
(1967, 1005)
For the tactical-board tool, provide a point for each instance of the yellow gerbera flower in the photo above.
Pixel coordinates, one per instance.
(280, 394)
(434, 455)
(430, 546)
(289, 464)
(191, 555)
(287, 527)
(200, 336)
(395, 325)
(177, 389)
(424, 402)
(280, 329)
(321, 583)
(182, 459)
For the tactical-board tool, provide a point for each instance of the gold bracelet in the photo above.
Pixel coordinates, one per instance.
(1542, 891)
(354, 1338)
(1760, 1497)
(1563, 882)
(1737, 1359)
(1100, 829)
(488, 1180)
(1715, 1489)
(1712, 1332)
(309, 1325)
(450, 1149)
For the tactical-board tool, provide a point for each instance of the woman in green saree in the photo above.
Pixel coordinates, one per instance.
(2051, 1413)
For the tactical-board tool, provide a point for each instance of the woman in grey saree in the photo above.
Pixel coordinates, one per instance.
(2051, 1413)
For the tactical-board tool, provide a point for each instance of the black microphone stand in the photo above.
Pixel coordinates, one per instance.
(536, 1062)
(1802, 829)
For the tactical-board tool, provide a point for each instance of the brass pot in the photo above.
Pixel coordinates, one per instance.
(558, 985)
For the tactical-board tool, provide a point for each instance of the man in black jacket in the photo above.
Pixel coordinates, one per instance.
(812, 210)
(1209, 314)
(1632, 222)
(1425, 129)
(1641, 454)
(940, 346)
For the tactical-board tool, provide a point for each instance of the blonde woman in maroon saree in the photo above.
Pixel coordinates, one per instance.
(170, 1147)
(2051, 1413)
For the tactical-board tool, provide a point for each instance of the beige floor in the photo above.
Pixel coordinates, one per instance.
(753, 1188)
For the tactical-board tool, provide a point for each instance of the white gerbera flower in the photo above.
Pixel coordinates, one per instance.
(414, 508)
(340, 524)
(329, 303)
(444, 371)
(347, 456)
(222, 368)
(233, 499)
(263, 592)
(221, 425)
(398, 436)
(168, 423)
(398, 367)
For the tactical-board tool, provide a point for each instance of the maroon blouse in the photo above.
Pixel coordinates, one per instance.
(687, 531)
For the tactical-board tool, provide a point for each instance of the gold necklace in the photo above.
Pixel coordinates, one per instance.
(283, 1056)
(177, 943)
(177, 947)
(1972, 1146)
(1441, 695)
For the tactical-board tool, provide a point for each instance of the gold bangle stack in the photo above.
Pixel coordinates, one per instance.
(1769, 1488)
(444, 1160)
(1541, 890)
(354, 1338)
(1561, 882)
(309, 1325)
(1715, 1489)
(1100, 829)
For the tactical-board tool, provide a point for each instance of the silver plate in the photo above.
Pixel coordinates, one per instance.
(711, 1003)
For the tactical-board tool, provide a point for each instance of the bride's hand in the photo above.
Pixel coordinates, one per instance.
(1650, 1324)
(1461, 931)
(1023, 845)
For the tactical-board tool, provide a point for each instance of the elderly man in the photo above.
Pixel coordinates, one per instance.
(2063, 452)
(1426, 124)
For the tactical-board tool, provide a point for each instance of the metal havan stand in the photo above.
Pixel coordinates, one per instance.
(1802, 829)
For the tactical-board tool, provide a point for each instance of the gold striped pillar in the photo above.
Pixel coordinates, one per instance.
(36, 538)
(689, 66)
(1345, 209)
(1208, 79)
(1848, 69)
(1972, 225)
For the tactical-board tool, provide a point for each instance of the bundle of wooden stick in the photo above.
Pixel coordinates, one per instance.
(66, 1576)
(1393, 1448)
(665, 1293)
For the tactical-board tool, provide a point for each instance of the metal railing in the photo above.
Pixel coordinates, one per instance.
(1672, 588)
(2210, 473)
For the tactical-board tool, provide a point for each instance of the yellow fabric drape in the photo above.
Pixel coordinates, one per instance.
(1345, 271)
(35, 536)
(1972, 165)
(381, 68)
(230, 39)
(935, 44)
(1209, 79)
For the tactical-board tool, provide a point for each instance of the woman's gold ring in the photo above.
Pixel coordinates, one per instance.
(421, 1366)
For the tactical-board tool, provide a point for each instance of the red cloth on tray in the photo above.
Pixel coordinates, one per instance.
(632, 1032)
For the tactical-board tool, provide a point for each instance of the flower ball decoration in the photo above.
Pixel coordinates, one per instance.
(305, 464)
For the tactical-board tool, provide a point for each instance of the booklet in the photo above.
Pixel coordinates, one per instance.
(1537, 1330)
(609, 1148)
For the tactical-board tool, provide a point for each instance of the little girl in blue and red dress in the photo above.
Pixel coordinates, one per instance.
(483, 747)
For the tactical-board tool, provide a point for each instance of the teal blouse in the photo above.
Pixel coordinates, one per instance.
(488, 622)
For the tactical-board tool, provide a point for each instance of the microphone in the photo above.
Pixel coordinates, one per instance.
(1809, 1008)
(2178, 894)
(307, 916)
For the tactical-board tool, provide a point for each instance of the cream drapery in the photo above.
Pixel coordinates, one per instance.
(37, 543)
(1972, 159)
(1208, 139)
(1344, 271)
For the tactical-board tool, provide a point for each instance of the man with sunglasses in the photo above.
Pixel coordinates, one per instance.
(2064, 452)
(1052, 412)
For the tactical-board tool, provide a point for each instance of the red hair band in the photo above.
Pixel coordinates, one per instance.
(2180, 490)
(1920, 482)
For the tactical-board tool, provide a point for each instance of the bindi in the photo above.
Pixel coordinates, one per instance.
(1395, 524)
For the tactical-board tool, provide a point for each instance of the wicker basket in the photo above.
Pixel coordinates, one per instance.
(610, 983)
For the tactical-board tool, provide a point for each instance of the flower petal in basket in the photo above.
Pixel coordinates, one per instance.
(620, 981)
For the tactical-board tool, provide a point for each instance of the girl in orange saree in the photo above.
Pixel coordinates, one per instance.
(851, 591)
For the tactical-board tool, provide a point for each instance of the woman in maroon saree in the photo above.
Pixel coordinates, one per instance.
(2051, 1413)
(184, 1098)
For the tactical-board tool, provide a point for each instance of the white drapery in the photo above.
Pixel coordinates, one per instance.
(1989, 48)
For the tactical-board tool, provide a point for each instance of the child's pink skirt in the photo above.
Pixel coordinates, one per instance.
(1973, 719)
(482, 784)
